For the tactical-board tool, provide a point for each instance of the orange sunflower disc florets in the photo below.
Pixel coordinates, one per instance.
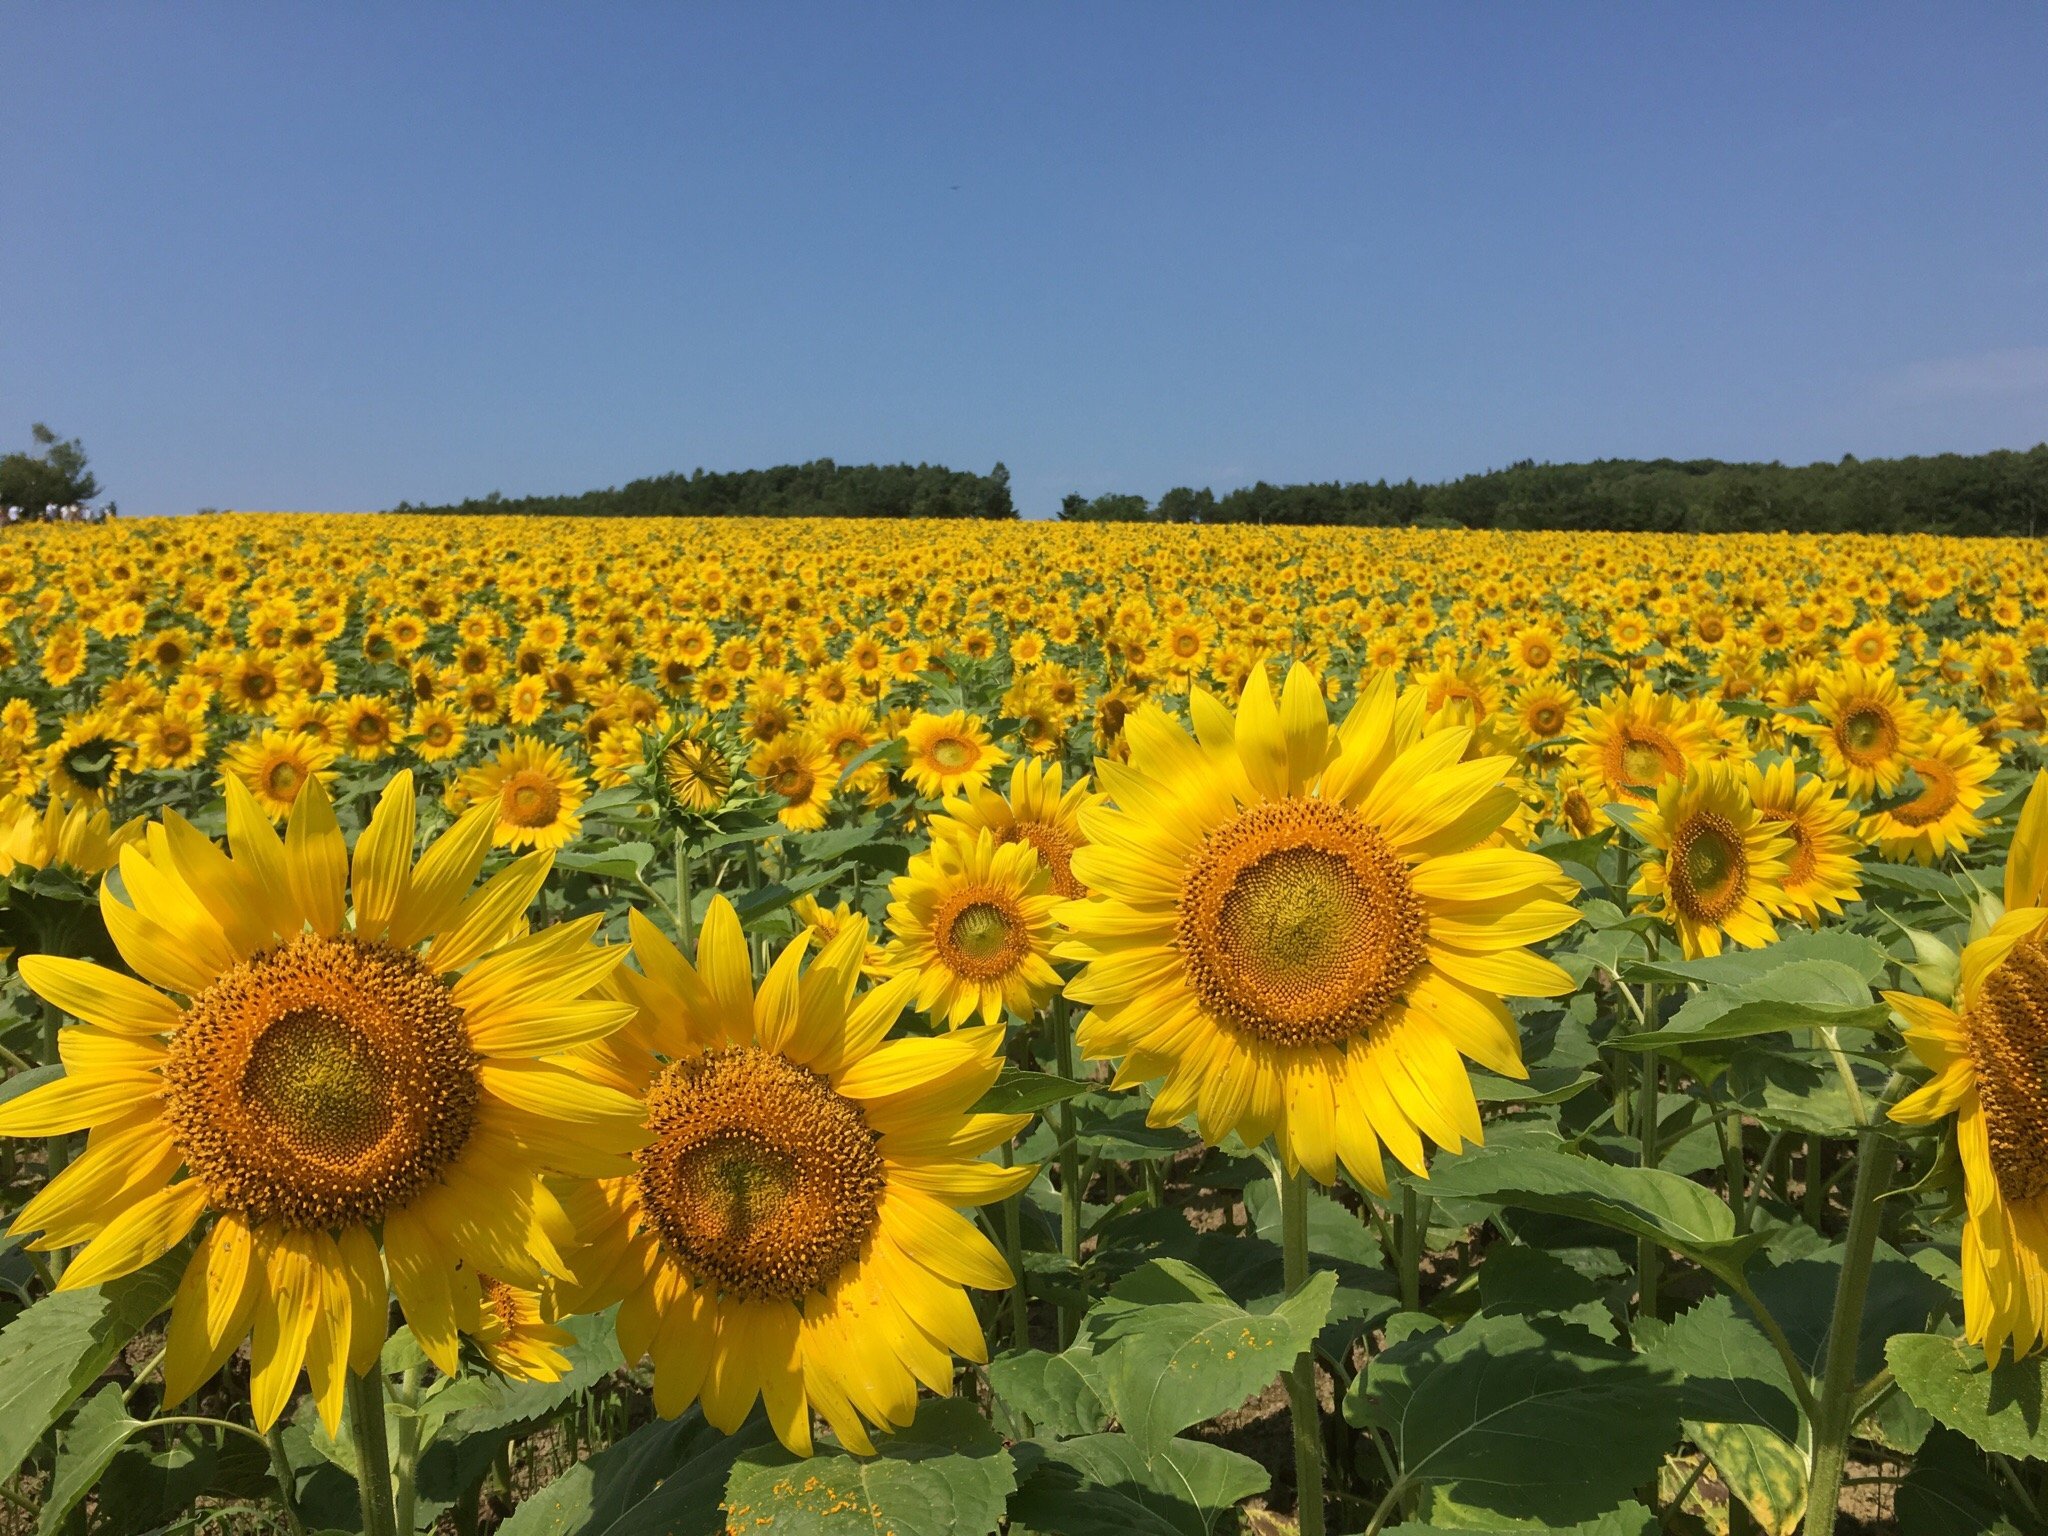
(1298, 924)
(322, 1082)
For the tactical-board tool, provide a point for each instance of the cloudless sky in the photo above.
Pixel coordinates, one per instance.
(336, 256)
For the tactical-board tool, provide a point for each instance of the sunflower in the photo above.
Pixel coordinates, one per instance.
(1534, 650)
(1037, 810)
(798, 777)
(1542, 711)
(1292, 925)
(275, 766)
(824, 924)
(949, 754)
(1723, 866)
(64, 836)
(88, 758)
(437, 732)
(843, 732)
(1631, 744)
(1954, 767)
(1989, 1056)
(692, 769)
(533, 789)
(792, 1230)
(1821, 872)
(517, 1338)
(972, 919)
(369, 726)
(1868, 729)
(170, 740)
(329, 1100)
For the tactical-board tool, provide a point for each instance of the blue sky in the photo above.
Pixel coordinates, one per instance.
(332, 257)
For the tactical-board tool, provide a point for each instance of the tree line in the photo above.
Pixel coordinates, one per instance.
(1989, 493)
(820, 488)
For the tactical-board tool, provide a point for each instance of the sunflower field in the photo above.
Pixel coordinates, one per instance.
(575, 1026)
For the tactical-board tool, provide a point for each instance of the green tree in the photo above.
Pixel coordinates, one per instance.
(56, 476)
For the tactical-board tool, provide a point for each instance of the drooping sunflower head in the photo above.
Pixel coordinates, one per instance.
(949, 754)
(789, 1232)
(535, 791)
(1720, 866)
(972, 919)
(1296, 928)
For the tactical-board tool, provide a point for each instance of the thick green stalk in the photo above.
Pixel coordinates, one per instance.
(287, 1479)
(1300, 1379)
(1834, 1409)
(373, 1457)
(1649, 1251)
(405, 1470)
(1413, 1230)
(1070, 1165)
(683, 883)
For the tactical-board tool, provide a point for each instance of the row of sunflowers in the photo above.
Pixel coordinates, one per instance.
(599, 1025)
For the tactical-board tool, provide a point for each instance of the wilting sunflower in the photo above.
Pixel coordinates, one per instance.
(1722, 865)
(1954, 768)
(1632, 744)
(1294, 928)
(949, 754)
(798, 778)
(1037, 810)
(792, 1232)
(1989, 1056)
(1868, 729)
(972, 919)
(361, 1069)
(1821, 872)
(275, 766)
(534, 791)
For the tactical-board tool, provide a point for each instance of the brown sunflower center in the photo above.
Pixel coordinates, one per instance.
(952, 754)
(1708, 873)
(980, 933)
(1645, 760)
(321, 1083)
(1055, 847)
(1938, 794)
(1803, 862)
(1867, 735)
(761, 1181)
(530, 799)
(1298, 924)
(2008, 1034)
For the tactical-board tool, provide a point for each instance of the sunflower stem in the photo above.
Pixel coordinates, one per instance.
(373, 1458)
(1649, 1252)
(287, 1479)
(1070, 1167)
(1013, 1243)
(405, 1497)
(1835, 1407)
(1301, 1377)
(683, 882)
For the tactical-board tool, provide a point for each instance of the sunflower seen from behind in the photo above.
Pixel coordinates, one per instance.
(338, 1066)
(793, 1231)
(1293, 930)
(1989, 1057)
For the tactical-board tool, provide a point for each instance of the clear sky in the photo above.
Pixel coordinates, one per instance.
(335, 256)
